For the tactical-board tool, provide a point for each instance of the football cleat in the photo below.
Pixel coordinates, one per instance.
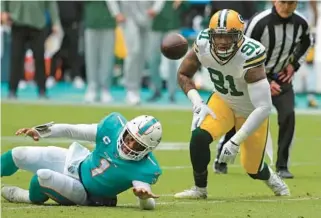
(285, 174)
(15, 194)
(277, 185)
(193, 193)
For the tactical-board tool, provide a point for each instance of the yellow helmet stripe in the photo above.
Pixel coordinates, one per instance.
(223, 18)
(260, 59)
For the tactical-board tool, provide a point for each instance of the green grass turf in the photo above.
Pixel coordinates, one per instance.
(232, 195)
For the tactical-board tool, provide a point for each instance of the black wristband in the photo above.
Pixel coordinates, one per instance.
(296, 65)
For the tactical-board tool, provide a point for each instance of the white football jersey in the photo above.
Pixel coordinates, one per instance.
(228, 76)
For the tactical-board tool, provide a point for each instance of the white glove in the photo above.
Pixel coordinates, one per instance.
(229, 152)
(200, 111)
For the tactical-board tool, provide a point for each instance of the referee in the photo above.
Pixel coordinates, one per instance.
(285, 34)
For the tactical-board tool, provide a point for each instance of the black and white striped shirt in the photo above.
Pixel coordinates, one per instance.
(281, 38)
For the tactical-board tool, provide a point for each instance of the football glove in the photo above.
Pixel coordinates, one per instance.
(229, 152)
(44, 129)
(200, 111)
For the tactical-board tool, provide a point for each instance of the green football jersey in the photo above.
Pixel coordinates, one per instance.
(103, 173)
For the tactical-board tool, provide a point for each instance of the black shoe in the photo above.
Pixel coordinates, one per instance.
(220, 168)
(12, 95)
(155, 97)
(285, 174)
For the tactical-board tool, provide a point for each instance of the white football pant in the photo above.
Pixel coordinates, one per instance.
(48, 163)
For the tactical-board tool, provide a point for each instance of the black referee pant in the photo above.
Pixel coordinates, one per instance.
(284, 104)
(68, 50)
(21, 36)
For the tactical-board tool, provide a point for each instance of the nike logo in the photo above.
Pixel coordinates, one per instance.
(258, 51)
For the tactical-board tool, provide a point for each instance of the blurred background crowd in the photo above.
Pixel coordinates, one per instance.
(96, 46)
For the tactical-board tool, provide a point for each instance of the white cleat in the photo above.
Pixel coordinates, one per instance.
(50, 82)
(193, 193)
(78, 83)
(277, 185)
(132, 98)
(90, 96)
(106, 97)
(15, 194)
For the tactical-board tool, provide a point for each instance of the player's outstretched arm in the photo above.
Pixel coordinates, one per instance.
(146, 197)
(86, 132)
(187, 70)
(260, 95)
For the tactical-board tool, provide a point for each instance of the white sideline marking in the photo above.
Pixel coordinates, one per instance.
(230, 166)
(237, 166)
(164, 146)
(122, 105)
(183, 202)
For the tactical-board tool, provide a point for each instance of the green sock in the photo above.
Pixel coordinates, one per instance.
(8, 167)
(264, 174)
(36, 194)
(39, 194)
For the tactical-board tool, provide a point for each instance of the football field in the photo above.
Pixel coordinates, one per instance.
(232, 195)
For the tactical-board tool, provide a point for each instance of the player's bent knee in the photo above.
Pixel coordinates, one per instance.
(200, 137)
(19, 153)
(44, 174)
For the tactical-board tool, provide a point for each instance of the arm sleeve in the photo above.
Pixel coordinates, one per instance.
(302, 47)
(113, 7)
(86, 132)
(260, 96)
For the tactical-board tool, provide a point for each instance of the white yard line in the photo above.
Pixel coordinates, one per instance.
(178, 202)
(230, 166)
(237, 165)
(122, 105)
(165, 146)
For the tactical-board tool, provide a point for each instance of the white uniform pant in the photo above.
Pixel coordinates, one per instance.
(48, 163)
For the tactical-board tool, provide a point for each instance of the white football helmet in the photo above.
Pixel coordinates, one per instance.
(146, 131)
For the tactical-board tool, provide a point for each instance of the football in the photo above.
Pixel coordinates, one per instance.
(174, 46)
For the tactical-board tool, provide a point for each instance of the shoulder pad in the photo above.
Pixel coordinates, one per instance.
(201, 41)
(254, 53)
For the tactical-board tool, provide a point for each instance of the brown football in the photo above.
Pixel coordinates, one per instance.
(174, 46)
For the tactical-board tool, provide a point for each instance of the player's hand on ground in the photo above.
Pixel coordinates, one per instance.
(142, 193)
(200, 111)
(275, 88)
(229, 152)
(287, 74)
(29, 132)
